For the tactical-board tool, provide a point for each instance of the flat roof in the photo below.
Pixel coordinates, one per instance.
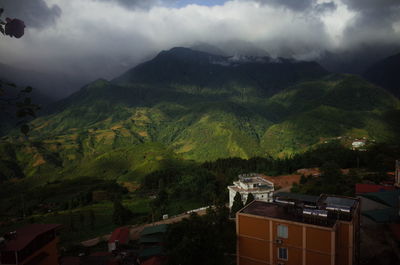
(298, 197)
(273, 210)
(26, 234)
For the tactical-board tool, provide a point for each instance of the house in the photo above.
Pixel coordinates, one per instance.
(152, 235)
(253, 183)
(368, 188)
(151, 241)
(381, 207)
(120, 236)
(32, 244)
(293, 229)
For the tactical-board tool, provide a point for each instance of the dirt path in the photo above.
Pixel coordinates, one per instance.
(135, 230)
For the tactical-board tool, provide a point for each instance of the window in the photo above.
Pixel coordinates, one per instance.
(282, 231)
(283, 253)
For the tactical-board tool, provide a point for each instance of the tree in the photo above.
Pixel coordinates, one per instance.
(120, 214)
(92, 219)
(237, 204)
(201, 239)
(81, 219)
(16, 101)
(330, 172)
(250, 198)
(12, 27)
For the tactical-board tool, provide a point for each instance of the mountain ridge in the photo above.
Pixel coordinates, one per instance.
(173, 120)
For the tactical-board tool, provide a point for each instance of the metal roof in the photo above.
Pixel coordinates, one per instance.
(155, 229)
(153, 238)
(388, 215)
(390, 198)
(27, 234)
(121, 234)
(151, 252)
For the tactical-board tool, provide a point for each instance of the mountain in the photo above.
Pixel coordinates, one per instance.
(386, 74)
(191, 105)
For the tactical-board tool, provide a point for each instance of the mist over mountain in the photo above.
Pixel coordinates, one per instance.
(186, 104)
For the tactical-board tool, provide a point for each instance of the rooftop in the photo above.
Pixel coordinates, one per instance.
(323, 210)
(273, 210)
(121, 234)
(367, 188)
(27, 234)
(155, 229)
(389, 198)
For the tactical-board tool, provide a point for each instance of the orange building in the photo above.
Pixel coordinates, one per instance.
(31, 245)
(299, 230)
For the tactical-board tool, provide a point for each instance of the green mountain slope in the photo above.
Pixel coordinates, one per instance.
(185, 104)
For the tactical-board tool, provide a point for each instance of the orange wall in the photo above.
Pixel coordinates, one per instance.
(295, 234)
(254, 242)
(244, 261)
(254, 227)
(254, 248)
(313, 258)
(51, 249)
(318, 240)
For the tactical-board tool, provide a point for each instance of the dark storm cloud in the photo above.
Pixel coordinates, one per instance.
(35, 13)
(373, 13)
(373, 22)
(325, 7)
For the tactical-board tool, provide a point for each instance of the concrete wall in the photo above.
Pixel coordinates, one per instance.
(306, 244)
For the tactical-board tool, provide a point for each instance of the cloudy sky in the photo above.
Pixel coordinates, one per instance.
(88, 39)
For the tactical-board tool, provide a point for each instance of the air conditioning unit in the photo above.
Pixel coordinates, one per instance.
(278, 241)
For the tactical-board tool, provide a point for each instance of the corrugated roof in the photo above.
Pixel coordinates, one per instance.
(388, 215)
(368, 188)
(148, 230)
(121, 234)
(26, 234)
(151, 239)
(390, 197)
(151, 252)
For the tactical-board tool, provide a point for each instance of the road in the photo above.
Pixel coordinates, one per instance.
(136, 229)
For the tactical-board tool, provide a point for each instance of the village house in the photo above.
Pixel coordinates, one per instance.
(253, 183)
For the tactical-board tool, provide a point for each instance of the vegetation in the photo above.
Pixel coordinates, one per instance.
(208, 239)
(237, 204)
(250, 198)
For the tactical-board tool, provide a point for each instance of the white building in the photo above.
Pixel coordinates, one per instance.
(253, 183)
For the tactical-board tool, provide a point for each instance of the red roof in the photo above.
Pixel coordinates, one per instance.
(121, 234)
(26, 234)
(154, 261)
(367, 188)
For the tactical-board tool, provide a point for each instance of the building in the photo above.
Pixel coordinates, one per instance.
(151, 242)
(30, 245)
(299, 230)
(362, 188)
(261, 188)
(120, 236)
(381, 207)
